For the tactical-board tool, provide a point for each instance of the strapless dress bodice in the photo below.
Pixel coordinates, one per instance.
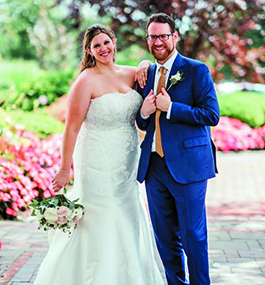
(113, 111)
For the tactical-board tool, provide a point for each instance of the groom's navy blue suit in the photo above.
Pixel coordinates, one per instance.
(176, 184)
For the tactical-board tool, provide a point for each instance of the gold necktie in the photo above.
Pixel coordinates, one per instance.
(161, 83)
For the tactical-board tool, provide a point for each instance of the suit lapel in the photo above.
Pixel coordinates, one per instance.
(151, 81)
(177, 66)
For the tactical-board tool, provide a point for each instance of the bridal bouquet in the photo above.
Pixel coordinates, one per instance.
(57, 213)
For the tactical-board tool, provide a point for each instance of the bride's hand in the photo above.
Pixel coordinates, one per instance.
(141, 72)
(60, 180)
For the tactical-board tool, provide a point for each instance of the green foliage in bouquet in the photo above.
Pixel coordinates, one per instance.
(38, 122)
(40, 92)
(58, 213)
(248, 107)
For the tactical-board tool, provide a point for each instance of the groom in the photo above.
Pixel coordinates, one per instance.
(178, 155)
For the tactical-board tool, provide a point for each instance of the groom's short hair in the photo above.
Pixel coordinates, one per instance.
(162, 18)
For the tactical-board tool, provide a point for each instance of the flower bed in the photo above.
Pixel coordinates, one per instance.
(232, 134)
(27, 165)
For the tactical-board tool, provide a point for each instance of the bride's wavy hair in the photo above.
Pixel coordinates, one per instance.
(88, 60)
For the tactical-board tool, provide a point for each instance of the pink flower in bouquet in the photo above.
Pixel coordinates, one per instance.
(75, 219)
(62, 220)
(62, 211)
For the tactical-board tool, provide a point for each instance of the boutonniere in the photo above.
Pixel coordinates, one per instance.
(176, 79)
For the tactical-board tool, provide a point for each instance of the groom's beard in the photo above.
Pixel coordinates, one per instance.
(162, 56)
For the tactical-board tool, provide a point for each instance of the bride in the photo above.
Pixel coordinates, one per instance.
(113, 244)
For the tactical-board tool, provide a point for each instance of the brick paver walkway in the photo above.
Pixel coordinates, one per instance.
(236, 222)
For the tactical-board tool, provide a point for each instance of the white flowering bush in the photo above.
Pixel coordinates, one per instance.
(58, 213)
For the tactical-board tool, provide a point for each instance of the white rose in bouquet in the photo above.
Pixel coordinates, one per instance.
(59, 213)
(50, 215)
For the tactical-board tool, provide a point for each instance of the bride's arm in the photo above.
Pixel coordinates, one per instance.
(141, 72)
(133, 74)
(78, 102)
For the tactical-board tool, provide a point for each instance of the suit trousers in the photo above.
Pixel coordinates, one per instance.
(179, 221)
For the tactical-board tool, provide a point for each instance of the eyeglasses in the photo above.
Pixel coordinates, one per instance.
(163, 38)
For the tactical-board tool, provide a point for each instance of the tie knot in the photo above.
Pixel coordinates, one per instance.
(163, 70)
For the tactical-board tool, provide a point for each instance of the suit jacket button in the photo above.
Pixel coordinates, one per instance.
(150, 146)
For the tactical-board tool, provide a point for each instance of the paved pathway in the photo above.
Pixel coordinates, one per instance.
(236, 222)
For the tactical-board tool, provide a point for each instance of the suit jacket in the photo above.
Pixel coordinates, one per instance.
(186, 139)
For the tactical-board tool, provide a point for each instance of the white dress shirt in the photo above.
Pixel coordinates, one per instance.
(168, 64)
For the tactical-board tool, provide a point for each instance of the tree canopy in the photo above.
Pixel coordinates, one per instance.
(226, 34)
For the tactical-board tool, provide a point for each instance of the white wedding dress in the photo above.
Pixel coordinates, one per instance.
(113, 244)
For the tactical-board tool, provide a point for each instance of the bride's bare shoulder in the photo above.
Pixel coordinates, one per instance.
(83, 82)
(85, 78)
(126, 70)
(86, 74)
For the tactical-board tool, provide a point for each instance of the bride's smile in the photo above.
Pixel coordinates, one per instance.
(103, 48)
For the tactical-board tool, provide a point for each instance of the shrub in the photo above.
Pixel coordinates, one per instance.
(38, 122)
(39, 92)
(58, 109)
(248, 107)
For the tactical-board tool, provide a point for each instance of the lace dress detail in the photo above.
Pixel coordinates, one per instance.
(113, 244)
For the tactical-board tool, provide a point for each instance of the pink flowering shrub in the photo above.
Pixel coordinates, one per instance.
(27, 165)
(232, 134)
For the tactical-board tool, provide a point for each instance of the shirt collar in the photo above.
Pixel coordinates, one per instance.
(168, 64)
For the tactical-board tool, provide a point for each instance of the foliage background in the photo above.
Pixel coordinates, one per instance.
(228, 35)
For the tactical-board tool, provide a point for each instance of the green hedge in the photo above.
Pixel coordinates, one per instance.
(247, 106)
(39, 122)
(51, 85)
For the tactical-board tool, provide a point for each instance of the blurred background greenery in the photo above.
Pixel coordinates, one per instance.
(41, 46)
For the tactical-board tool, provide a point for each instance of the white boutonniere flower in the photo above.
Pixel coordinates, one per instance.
(176, 79)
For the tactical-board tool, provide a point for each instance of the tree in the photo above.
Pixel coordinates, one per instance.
(217, 31)
(33, 29)
(16, 18)
(53, 44)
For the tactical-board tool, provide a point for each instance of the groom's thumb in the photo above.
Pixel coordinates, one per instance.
(164, 92)
(150, 93)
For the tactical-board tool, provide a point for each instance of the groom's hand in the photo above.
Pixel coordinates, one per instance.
(149, 104)
(163, 100)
